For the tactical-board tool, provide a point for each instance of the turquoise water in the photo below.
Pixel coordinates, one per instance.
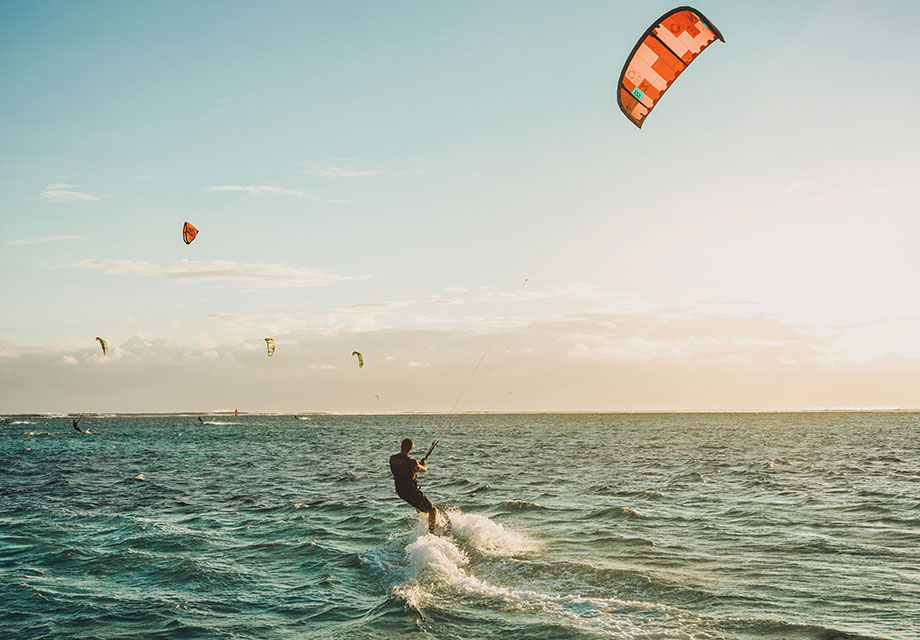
(566, 526)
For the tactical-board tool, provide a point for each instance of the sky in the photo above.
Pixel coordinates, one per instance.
(384, 177)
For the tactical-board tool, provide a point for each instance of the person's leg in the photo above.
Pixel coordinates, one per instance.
(432, 519)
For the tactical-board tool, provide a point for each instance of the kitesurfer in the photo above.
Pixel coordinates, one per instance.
(200, 420)
(76, 422)
(405, 470)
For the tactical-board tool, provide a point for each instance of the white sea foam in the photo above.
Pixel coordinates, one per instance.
(440, 572)
(437, 564)
(489, 537)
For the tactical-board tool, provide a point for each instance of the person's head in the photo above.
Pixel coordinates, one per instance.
(406, 446)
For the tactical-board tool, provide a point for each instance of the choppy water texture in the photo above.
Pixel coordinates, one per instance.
(567, 526)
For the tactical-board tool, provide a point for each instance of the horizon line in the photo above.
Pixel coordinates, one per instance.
(225, 413)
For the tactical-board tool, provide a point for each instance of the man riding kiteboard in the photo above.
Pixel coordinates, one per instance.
(405, 471)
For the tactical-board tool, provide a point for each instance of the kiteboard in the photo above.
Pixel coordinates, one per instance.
(442, 524)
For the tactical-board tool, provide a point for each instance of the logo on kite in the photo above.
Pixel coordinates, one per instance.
(189, 232)
(105, 346)
(662, 53)
(271, 346)
(360, 358)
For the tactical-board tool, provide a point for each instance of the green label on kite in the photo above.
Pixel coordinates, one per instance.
(636, 92)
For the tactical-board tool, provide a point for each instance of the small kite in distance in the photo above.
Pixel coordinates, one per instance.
(105, 346)
(360, 358)
(189, 232)
(663, 52)
(271, 346)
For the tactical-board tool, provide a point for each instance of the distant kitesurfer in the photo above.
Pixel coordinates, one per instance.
(76, 423)
(200, 420)
(405, 470)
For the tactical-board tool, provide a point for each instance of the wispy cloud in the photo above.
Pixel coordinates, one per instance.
(574, 290)
(797, 186)
(43, 240)
(125, 320)
(337, 319)
(628, 349)
(337, 172)
(63, 192)
(239, 274)
(343, 170)
(275, 323)
(386, 305)
(262, 189)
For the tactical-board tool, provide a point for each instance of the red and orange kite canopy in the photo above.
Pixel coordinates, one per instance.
(662, 54)
(189, 231)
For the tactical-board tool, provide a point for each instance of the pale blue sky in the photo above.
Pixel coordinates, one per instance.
(418, 160)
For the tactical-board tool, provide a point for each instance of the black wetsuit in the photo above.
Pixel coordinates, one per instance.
(404, 471)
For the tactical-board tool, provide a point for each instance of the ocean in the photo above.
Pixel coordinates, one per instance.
(760, 525)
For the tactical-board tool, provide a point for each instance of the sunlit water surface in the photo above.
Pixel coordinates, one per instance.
(566, 526)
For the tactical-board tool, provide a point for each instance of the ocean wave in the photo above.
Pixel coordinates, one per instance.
(615, 512)
(522, 505)
(768, 464)
(684, 478)
(885, 458)
(347, 478)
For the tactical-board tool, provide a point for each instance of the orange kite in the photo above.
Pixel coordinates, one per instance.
(662, 53)
(189, 231)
